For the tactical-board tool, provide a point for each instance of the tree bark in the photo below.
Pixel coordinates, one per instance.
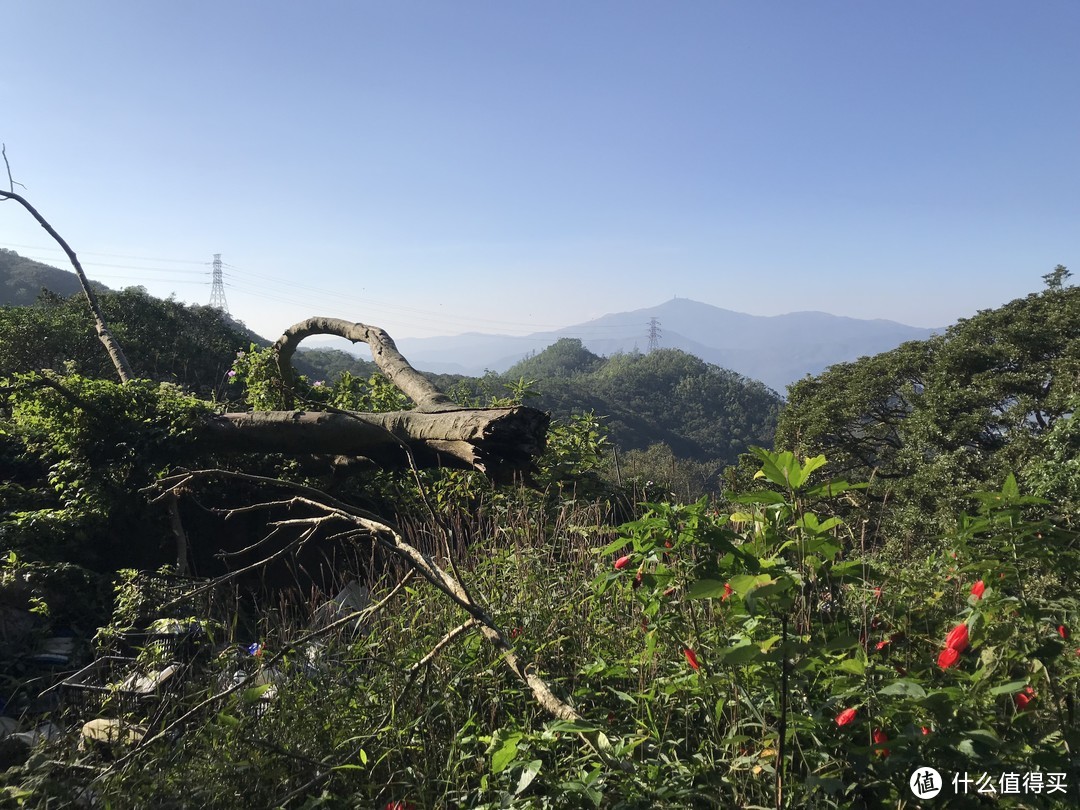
(499, 442)
(384, 351)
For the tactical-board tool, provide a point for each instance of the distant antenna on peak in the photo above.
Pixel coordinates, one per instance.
(655, 333)
(217, 289)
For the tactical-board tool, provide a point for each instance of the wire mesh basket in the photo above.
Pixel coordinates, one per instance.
(120, 685)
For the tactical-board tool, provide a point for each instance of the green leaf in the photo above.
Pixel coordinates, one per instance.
(740, 653)
(570, 726)
(256, 692)
(906, 688)
(706, 589)
(853, 665)
(506, 752)
(528, 773)
(760, 496)
(1009, 688)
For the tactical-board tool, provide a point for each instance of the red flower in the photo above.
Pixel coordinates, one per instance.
(1022, 699)
(517, 631)
(637, 579)
(622, 562)
(949, 657)
(957, 638)
(845, 717)
(925, 730)
(1063, 631)
(977, 589)
(881, 645)
(879, 737)
(877, 593)
(691, 659)
(728, 591)
(400, 806)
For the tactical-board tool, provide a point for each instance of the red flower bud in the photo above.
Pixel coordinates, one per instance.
(1063, 631)
(728, 591)
(1022, 699)
(622, 562)
(977, 589)
(845, 717)
(925, 730)
(957, 638)
(691, 659)
(949, 657)
(879, 737)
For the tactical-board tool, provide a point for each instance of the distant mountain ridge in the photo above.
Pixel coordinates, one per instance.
(775, 349)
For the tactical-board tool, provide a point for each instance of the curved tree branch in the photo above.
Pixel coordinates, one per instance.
(409, 381)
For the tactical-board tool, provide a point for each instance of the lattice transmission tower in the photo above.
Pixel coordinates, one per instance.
(655, 333)
(217, 289)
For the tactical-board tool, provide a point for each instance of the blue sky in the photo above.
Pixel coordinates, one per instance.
(442, 167)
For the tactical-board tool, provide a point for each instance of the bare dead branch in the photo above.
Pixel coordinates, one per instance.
(11, 183)
(461, 629)
(116, 353)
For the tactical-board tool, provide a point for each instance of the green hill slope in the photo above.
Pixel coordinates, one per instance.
(22, 280)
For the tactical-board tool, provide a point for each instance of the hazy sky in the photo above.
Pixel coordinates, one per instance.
(442, 167)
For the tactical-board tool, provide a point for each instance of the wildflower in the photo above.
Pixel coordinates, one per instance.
(977, 589)
(668, 544)
(1063, 631)
(399, 806)
(232, 372)
(517, 631)
(691, 659)
(637, 579)
(877, 593)
(880, 737)
(728, 591)
(949, 657)
(255, 649)
(957, 638)
(318, 384)
(881, 645)
(845, 717)
(622, 562)
(1022, 699)
(925, 730)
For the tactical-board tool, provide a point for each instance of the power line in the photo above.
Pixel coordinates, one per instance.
(107, 255)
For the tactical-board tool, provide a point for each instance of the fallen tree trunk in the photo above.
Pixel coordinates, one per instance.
(499, 442)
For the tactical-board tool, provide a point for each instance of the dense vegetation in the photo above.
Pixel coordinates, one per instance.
(931, 421)
(890, 597)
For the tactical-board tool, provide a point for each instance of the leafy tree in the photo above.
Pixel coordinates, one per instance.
(955, 413)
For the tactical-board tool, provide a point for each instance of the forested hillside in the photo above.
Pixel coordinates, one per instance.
(703, 412)
(933, 420)
(22, 280)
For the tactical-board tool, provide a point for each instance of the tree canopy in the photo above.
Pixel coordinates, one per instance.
(958, 412)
